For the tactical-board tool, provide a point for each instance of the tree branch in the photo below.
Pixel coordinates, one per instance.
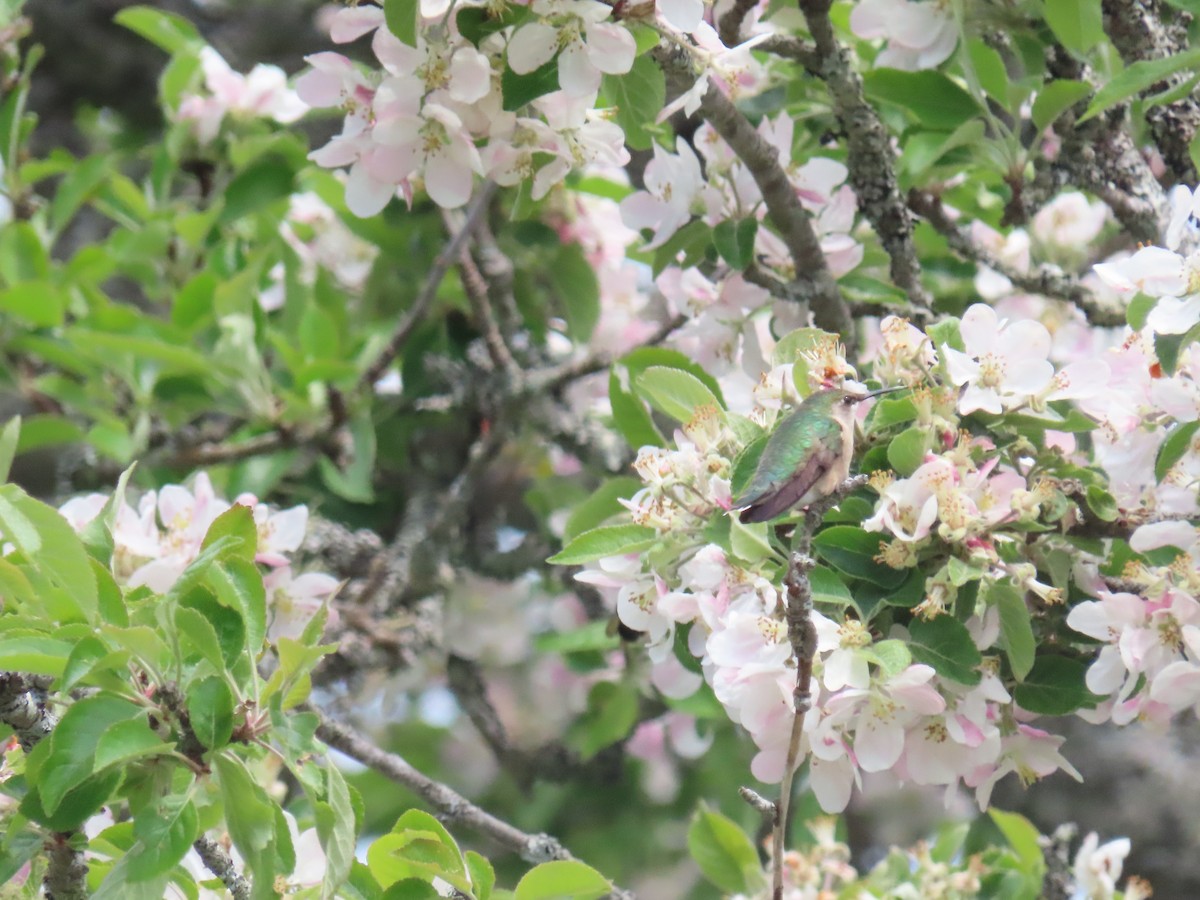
(802, 635)
(870, 158)
(23, 708)
(425, 297)
(221, 864)
(66, 872)
(455, 808)
(1137, 30)
(1100, 156)
(814, 283)
(1049, 281)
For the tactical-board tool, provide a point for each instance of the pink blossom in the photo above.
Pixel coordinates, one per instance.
(919, 35)
(292, 601)
(673, 185)
(263, 93)
(1004, 363)
(587, 46)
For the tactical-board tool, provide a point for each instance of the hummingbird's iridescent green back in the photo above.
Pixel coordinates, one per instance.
(799, 451)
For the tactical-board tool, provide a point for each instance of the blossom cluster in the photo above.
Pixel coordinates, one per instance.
(422, 118)
(968, 510)
(154, 541)
(263, 93)
(320, 239)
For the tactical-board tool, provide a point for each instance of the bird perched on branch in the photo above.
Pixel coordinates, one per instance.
(806, 457)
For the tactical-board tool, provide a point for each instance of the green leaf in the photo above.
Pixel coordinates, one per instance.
(990, 70)
(167, 30)
(630, 415)
(936, 100)
(734, 240)
(639, 96)
(48, 541)
(210, 708)
(638, 361)
(852, 550)
(600, 506)
(892, 655)
(577, 289)
(418, 846)
(164, 833)
(945, 644)
(1139, 310)
(249, 814)
(750, 542)
(38, 303)
(827, 587)
(72, 754)
(584, 639)
(34, 654)
(239, 585)
(1054, 687)
(685, 248)
(1178, 442)
(1055, 98)
(411, 889)
(907, 450)
(236, 522)
(401, 17)
(725, 855)
(195, 630)
(478, 22)
(675, 392)
(518, 90)
(17, 848)
(128, 741)
(84, 657)
(608, 540)
(483, 876)
(9, 439)
(1021, 835)
(338, 841)
(564, 879)
(1102, 503)
(1139, 77)
(612, 712)
(1077, 24)
(1016, 627)
(263, 183)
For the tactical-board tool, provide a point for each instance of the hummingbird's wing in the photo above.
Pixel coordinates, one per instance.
(797, 455)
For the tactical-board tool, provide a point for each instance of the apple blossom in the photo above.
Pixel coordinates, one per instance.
(263, 93)
(919, 35)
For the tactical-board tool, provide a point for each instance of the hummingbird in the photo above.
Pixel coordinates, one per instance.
(806, 457)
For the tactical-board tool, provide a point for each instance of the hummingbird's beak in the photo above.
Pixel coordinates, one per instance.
(881, 392)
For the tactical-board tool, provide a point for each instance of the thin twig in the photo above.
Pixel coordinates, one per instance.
(1049, 281)
(425, 521)
(221, 864)
(802, 635)
(533, 848)
(477, 292)
(814, 282)
(425, 297)
(730, 25)
(1059, 882)
(870, 158)
(796, 50)
(555, 377)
